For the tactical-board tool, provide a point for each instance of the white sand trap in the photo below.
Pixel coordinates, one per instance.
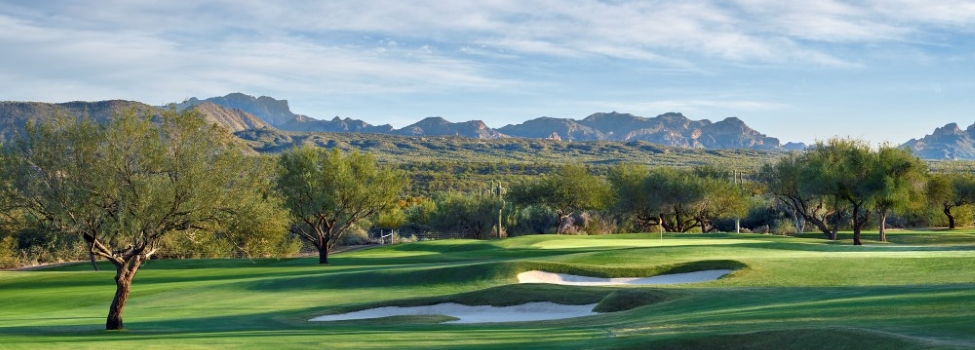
(573, 280)
(473, 314)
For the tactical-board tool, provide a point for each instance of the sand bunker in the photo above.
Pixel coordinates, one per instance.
(573, 280)
(473, 314)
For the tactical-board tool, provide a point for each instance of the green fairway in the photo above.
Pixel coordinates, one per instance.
(916, 292)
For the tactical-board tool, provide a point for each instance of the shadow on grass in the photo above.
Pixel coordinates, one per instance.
(759, 318)
(819, 338)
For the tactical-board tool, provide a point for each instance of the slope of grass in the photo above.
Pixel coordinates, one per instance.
(785, 293)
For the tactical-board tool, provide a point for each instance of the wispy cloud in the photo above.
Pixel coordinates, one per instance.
(501, 54)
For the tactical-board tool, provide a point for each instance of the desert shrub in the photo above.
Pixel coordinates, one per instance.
(192, 244)
(596, 223)
(38, 246)
(398, 238)
(783, 227)
(473, 215)
(532, 220)
(355, 235)
(420, 213)
(8, 253)
(390, 219)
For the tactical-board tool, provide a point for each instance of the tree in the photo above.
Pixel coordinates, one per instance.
(784, 182)
(474, 215)
(841, 169)
(950, 191)
(675, 194)
(721, 198)
(327, 192)
(899, 178)
(633, 198)
(124, 185)
(568, 190)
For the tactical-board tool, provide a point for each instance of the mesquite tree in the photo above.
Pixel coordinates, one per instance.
(899, 177)
(568, 190)
(327, 193)
(841, 168)
(677, 200)
(949, 192)
(124, 185)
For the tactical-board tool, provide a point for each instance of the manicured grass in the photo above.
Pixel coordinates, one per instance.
(916, 291)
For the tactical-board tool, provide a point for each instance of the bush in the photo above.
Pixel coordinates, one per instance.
(532, 220)
(397, 238)
(9, 258)
(192, 245)
(38, 246)
(355, 235)
(594, 223)
(783, 227)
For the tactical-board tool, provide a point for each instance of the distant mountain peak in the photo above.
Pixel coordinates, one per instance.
(946, 142)
(273, 111)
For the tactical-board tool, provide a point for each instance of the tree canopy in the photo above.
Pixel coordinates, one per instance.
(327, 192)
(569, 189)
(124, 185)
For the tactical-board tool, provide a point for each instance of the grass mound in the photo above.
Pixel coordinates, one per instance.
(610, 271)
(625, 299)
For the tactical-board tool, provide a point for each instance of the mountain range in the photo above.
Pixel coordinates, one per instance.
(671, 129)
(947, 142)
(238, 112)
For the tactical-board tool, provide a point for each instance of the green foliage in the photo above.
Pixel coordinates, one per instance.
(899, 183)
(8, 252)
(532, 219)
(844, 178)
(678, 200)
(950, 193)
(390, 219)
(570, 189)
(123, 186)
(327, 193)
(473, 215)
(194, 245)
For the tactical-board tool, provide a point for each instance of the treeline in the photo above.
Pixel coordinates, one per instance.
(834, 185)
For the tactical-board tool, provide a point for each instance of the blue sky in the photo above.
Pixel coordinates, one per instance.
(881, 70)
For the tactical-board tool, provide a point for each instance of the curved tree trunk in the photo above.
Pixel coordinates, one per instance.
(125, 273)
(883, 226)
(951, 218)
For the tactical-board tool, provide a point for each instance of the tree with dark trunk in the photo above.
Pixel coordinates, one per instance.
(327, 193)
(784, 180)
(124, 185)
(842, 169)
(568, 190)
(900, 179)
(950, 191)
